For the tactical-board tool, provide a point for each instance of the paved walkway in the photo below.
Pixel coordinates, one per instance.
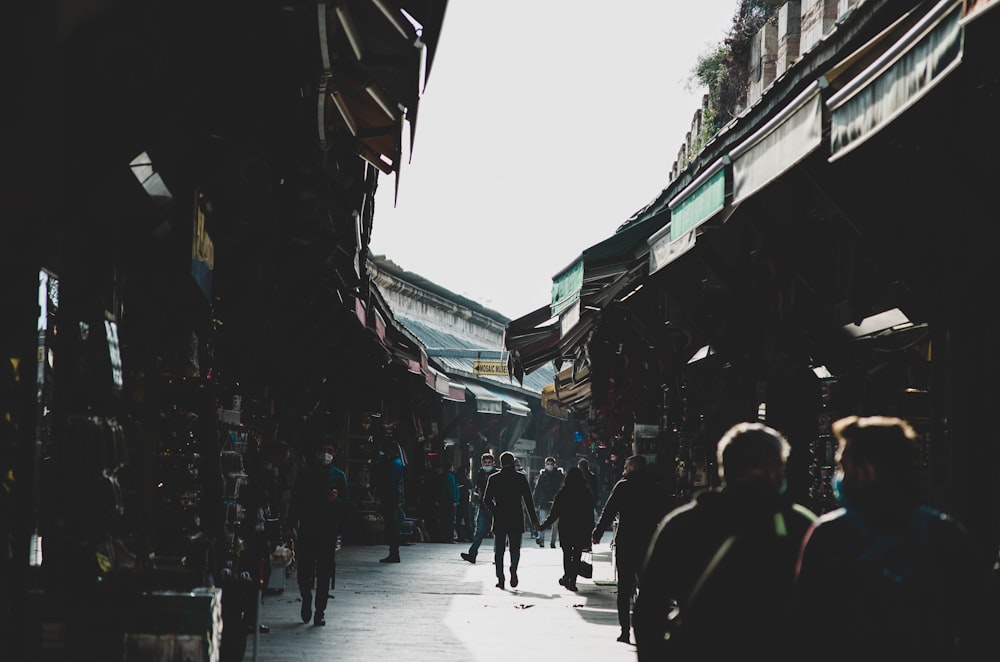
(434, 606)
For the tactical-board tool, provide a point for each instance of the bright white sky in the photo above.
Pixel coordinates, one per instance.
(545, 124)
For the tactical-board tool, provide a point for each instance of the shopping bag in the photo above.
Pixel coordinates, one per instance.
(585, 567)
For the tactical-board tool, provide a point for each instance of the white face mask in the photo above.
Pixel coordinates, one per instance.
(550, 467)
(488, 467)
(326, 458)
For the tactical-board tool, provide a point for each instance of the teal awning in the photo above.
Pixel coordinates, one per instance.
(700, 200)
(921, 58)
(566, 286)
(603, 260)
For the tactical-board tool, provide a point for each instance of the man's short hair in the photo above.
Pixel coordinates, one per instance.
(748, 447)
(583, 463)
(637, 461)
(507, 459)
(886, 442)
(485, 456)
(550, 459)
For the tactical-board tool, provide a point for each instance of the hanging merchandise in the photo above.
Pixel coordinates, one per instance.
(822, 452)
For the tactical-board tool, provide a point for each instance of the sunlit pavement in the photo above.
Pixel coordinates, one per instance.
(436, 606)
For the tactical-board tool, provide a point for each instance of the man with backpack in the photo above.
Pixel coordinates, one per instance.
(884, 577)
(717, 579)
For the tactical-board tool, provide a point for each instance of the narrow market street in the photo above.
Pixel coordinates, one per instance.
(435, 606)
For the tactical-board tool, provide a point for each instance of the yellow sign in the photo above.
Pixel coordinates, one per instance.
(496, 368)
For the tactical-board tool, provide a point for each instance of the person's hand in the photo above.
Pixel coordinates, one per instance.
(332, 494)
(534, 525)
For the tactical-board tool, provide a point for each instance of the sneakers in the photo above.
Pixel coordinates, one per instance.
(540, 542)
(513, 578)
(552, 545)
(320, 619)
(392, 558)
(471, 558)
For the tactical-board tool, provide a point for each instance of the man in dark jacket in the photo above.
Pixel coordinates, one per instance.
(635, 501)
(388, 477)
(590, 477)
(549, 481)
(484, 518)
(901, 580)
(507, 496)
(319, 498)
(726, 560)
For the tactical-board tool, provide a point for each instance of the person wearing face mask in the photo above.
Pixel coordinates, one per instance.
(549, 481)
(319, 500)
(484, 518)
(901, 580)
(717, 576)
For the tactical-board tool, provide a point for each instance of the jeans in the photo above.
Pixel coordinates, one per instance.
(484, 522)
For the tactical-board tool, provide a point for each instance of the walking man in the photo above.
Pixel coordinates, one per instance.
(549, 481)
(390, 488)
(902, 580)
(318, 499)
(634, 501)
(508, 495)
(726, 560)
(484, 518)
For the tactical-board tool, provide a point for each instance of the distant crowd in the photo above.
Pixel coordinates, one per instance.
(740, 568)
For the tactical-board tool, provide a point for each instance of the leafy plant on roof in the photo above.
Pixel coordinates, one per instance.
(724, 69)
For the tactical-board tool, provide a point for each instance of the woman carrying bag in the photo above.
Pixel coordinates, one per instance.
(573, 506)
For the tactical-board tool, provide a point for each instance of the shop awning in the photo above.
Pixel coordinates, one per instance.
(603, 263)
(664, 249)
(778, 145)
(551, 404)
(495, 401)
(440, 382)
(487, 402)
(700, 200)
(566, 286)
(572, 387)
(909, 69)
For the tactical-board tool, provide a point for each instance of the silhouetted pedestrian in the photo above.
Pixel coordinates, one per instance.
(719, 571)
(900, 580)
(573, 508)
(508, 495)
(634, 502)
(319, 499)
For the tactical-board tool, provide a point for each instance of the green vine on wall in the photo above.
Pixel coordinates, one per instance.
(725, 68)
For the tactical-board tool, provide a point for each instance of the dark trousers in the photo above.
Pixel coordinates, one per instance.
(315, 556)
(627, 564)
(500, 541)
(390, 519)
(446, 523)
(571, 561)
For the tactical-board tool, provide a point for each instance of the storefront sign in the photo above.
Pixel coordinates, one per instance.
(495, 368)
